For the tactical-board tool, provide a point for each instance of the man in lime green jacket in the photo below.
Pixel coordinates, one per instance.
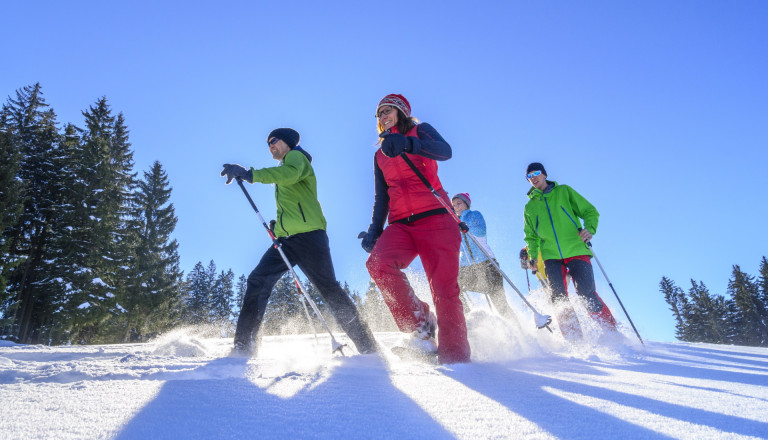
(553, 229)
(300, 228)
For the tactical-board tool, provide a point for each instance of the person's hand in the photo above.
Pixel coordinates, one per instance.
(369, 238)
(234, 171)
(524, 258)
(532, 264)
(394, 144)
(585, 235)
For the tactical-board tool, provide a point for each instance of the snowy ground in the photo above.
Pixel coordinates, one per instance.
(521, 384)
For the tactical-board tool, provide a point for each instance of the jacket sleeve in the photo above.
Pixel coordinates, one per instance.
(430, 144)
(380, 198)
(531, 238)
(585, 210)
(292, 170)
(476, 223)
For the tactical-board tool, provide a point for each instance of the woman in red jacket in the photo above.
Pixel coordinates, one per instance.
(418, 225)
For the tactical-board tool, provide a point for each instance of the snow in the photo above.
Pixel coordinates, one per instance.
(522, 383)
(84, 305)
(99, 282)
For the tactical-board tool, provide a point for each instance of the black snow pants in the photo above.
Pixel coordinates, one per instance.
(311, 252)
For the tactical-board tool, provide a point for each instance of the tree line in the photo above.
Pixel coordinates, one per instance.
(86, 254)
(740, 318)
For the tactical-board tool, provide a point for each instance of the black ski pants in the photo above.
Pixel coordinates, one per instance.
(583, 277)
(484, 278)
(310, 251)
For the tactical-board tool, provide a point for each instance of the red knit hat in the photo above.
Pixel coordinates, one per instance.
(464, 197)
(397, 101)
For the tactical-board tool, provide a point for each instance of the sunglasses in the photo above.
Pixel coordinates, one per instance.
(533, 174)
(273, 141)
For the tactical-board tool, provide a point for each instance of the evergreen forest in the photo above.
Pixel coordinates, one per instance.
(740, 317)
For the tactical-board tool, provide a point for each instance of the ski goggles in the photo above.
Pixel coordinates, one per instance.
(533, 174)
(273, 141)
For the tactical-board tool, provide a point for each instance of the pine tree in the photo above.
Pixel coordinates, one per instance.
(32, 128)
(221, 298)
(99, 198)
(284, 312)
(762, 282)
(152, 279)
(375, 311)
(10, 204)
(197, 295)
(745, 294)
(57, 265)
(678, 303)
(237, 303)
(708, 316)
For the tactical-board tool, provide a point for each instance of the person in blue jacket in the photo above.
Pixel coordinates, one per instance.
(476, 273)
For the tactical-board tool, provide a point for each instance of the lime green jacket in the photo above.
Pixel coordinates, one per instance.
(552, 222)
(295, 194)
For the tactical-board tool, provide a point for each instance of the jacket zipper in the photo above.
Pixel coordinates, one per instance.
(277, 198)
(552, 222)
(302, 213)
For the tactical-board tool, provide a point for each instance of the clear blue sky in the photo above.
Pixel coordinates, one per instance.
(655, 111)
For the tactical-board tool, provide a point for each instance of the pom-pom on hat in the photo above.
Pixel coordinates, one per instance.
(397, 101)
(534, 167)
(464, 197)
(287, 135)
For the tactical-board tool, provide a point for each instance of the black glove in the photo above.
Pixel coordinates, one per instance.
(272, 224)
(369, 238)
(394, 144)
(234, 171)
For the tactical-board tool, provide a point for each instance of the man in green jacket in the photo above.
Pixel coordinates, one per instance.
(553, 227)
(300, 229)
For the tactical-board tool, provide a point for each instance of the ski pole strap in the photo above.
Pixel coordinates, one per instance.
(421, 215)
(463, 226)
(417, 172)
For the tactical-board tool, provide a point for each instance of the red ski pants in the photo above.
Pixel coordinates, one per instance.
(436, 239)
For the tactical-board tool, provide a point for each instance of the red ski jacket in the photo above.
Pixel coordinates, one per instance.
(398, 189)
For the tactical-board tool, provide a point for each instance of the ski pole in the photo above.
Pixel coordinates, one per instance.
(528, 280)
(614, 292)
(543, 281)
(540, 320)
(335, 345)
(469, 300)
(589, 243)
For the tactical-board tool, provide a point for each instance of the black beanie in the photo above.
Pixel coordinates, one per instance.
(536, 166)
(287, 135)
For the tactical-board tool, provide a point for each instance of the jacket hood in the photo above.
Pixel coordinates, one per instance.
(304, 152)
(535, 192)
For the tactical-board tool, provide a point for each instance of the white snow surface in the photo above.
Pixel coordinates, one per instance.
(522, 383)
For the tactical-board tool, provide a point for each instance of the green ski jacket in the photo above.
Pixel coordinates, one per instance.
(298, 209)
(552, 222)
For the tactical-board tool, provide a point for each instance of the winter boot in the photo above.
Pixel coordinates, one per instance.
(423, 338)
(427, 329)
(243, 349)
(605, 318)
